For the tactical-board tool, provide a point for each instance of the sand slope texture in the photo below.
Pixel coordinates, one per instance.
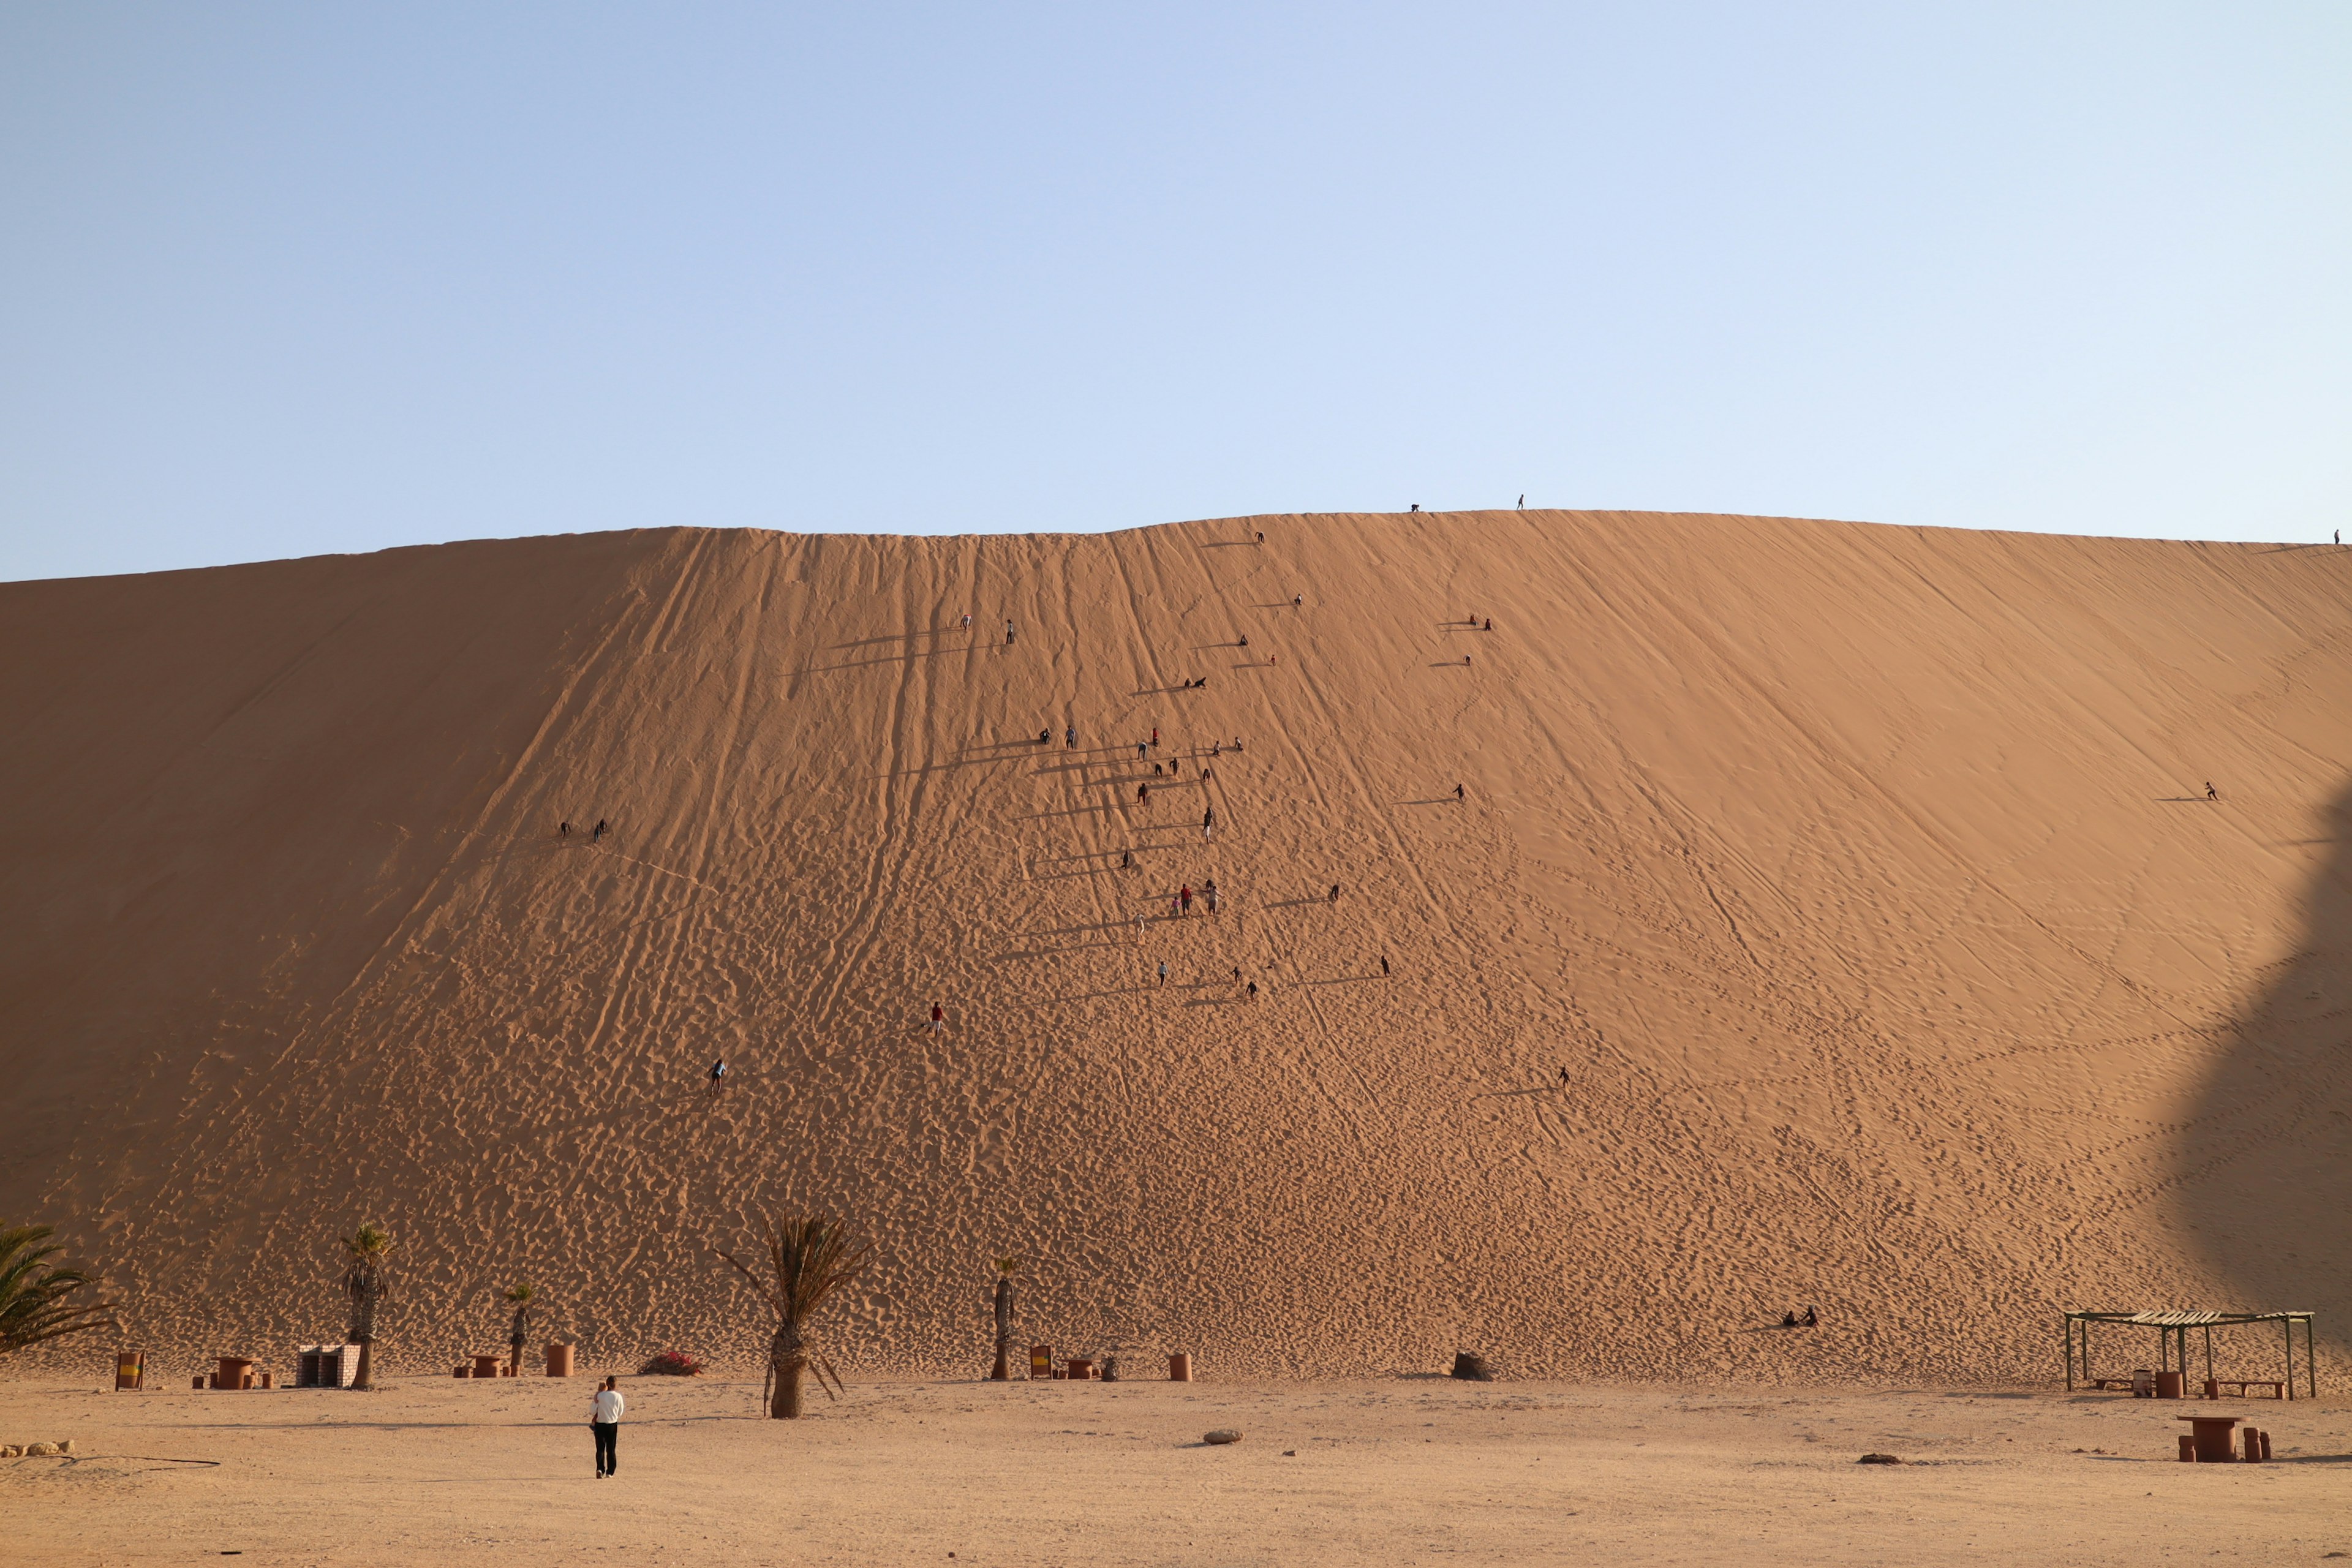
(1831, 914)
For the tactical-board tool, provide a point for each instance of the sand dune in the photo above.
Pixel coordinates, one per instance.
(1832, 914)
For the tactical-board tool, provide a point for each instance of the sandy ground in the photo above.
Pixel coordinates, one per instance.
(1416, 1470)
(1831, 914)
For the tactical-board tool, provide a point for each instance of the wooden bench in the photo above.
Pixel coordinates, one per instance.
(2213, 1386)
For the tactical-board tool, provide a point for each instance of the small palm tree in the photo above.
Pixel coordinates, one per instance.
(1004, 1368)
(33, 1304)
(364, 1284)
(518, 1331)
(810, 1260)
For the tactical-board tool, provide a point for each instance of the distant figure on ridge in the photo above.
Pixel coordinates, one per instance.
(1261, 536)
(1523, 500)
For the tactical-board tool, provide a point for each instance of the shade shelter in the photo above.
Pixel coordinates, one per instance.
(2172, 1331)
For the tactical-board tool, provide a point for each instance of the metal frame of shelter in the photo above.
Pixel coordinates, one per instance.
(2172, 1336)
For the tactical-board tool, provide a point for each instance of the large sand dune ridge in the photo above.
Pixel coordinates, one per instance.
(1859, 879)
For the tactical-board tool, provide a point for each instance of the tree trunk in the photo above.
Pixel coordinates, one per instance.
(1003, 1369)
(360, 1379)
(789, 1361)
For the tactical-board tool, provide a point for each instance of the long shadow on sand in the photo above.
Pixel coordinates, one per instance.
(2265, 1162)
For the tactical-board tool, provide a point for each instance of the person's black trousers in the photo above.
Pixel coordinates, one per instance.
(605, 1432)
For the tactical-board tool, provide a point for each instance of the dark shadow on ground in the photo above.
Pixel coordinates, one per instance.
(2265, 1160)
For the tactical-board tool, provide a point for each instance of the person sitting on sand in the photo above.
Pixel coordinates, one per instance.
(1813, 1319)
(1788, 1319)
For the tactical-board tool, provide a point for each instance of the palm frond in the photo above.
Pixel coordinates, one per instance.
(34, 1293)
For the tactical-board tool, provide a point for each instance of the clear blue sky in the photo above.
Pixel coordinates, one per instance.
(284, 279)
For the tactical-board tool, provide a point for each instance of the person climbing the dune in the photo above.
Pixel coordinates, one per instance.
(1070, 738)
(1244, 642)
(939, 1020)
(1335, 893)
(1490, 623)
(1155, 737)
(1384, 964)
(1457, 791)
(1125, 858)
(718, 1074)
(1297, 601)
(1184, 899)
(599, 835)
(1261, 536)
(563, 830)
(967, 620)
(1141, 747)
(2210, 793)
(1253, 990)
(1008, 632)
(1142, 794)
(1163, 972)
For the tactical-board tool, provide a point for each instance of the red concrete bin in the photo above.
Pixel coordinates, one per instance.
(559, 1360)
(2254, 1443)
(268, 1380)
(2188, 1449)
(198, 1382)
(461, 1370)
(1179, 1368)
(2168, 1386)
(486, 1366)
(236, 1372)
(1080, 1367)
(2266, 1448)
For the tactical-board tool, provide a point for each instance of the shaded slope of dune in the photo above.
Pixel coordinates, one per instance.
(1832, 914)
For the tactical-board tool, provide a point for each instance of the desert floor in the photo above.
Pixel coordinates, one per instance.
(1395, 1471)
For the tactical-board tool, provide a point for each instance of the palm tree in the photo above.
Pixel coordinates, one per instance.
(811, 1259)
(518, 1331)
(364, 1284)
(33, 1292)
(1004, 1368)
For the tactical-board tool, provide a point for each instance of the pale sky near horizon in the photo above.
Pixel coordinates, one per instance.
(283, 280)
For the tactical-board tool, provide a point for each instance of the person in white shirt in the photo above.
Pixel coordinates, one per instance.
(605, 1421)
